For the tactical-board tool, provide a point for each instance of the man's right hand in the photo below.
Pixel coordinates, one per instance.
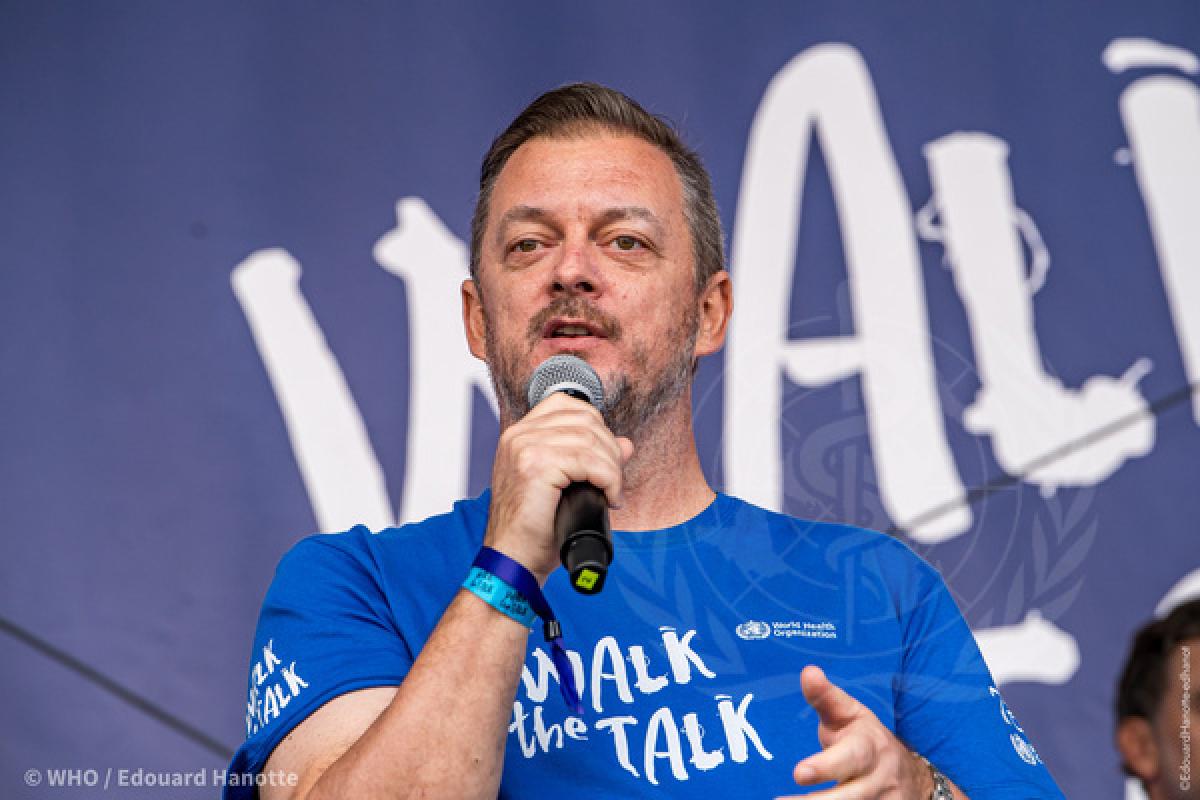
(561, 441)
(412, 741)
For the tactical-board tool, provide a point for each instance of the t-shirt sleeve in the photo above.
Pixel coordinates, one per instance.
(325, 629)
(949, 710)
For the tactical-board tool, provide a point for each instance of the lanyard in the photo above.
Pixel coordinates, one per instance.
(521, 579)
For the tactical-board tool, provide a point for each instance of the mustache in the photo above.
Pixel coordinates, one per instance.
(576, 308)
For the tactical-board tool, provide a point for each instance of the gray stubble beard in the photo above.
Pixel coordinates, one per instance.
(628, 409)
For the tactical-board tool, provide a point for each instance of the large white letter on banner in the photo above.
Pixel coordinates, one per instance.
(337, 463)
(827, 90)
(1162, 120)
(432, 262)
(1033, 420)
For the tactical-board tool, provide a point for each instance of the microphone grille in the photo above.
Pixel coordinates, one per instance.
(566, 373)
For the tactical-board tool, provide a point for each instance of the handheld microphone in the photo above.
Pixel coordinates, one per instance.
(581, 522)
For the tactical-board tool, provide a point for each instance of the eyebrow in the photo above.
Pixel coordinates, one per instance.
(633, 212)
(524, 213)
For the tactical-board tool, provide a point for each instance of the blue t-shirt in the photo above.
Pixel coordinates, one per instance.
(688, 662)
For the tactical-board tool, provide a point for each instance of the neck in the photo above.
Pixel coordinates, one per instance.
(664, 484)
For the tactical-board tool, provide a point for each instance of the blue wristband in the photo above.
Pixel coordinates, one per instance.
(500, 596)
(515, 574)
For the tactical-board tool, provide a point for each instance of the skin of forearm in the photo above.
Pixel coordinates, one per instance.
(444, 732)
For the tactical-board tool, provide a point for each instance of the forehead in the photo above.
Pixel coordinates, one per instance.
(589, 173)
(1175, 673)
(1189, 648)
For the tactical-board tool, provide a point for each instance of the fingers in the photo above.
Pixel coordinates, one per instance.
(835, 708)
(861, 755)
(571, 435)
(560, 455)
(845, 759)
(626, 446)
(561, 441)
(561, 401)
(563, 463)
(861, 773)
(581, 446)
(855, 790)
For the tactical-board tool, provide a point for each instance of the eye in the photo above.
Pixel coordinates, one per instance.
(525, 246)
(627, 243)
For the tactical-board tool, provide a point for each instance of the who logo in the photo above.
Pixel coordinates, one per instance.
(753, 629)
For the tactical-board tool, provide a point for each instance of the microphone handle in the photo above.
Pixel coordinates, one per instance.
(585, 540)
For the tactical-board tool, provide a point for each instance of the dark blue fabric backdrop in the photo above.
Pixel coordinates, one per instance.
(150, 479)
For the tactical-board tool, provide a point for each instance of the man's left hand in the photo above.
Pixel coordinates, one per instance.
(865, 758)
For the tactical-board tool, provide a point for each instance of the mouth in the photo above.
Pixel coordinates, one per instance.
(565, 328)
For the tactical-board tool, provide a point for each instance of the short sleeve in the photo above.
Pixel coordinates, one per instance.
(949, 710)
(325, 629)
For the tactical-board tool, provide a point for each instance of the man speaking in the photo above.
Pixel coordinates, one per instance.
(731, 652)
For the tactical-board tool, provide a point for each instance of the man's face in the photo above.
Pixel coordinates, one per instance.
(587, 252)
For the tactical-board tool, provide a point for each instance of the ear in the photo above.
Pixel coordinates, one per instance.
(714, 305)
(474, 320)
(1139, 751)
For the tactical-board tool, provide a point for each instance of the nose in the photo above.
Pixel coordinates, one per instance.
(577, 271)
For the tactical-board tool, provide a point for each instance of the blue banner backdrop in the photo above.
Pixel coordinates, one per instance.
(965, 255)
